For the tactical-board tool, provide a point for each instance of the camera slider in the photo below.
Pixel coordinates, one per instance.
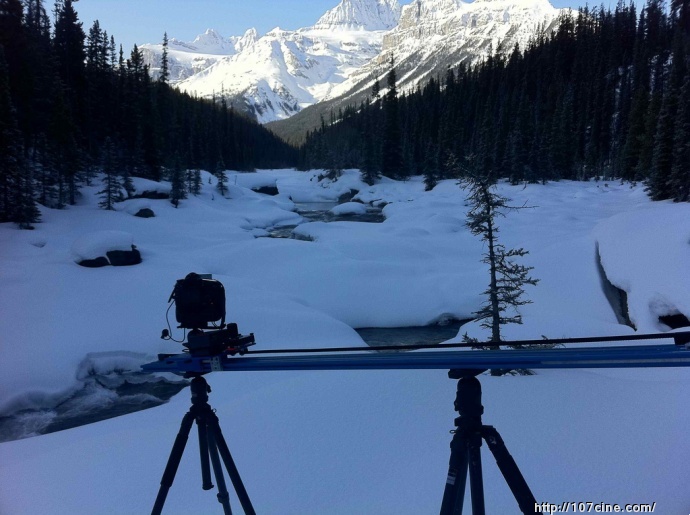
(226, 340)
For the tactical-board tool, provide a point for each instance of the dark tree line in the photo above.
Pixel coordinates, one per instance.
(606, 95)
(72, 104)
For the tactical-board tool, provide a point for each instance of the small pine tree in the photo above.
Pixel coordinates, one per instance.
(376, 90)
(222, 178)
(195, 188)
(431, 168)
(112, 189)
(177, 191)
(507, 278)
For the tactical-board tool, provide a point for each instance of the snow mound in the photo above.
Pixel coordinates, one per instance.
(350, 208)
(646, 253)
(141, 185)
(97, 244)
(252, 180)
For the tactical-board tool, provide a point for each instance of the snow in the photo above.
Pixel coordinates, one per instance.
(344, 442)
(647, 254)
(95, 244)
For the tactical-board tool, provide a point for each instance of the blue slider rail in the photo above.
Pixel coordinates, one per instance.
(635, 356)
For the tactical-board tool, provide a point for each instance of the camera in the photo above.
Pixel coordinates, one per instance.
(199, 300)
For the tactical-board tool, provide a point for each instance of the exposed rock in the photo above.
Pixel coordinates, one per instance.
(347, 197)
(675, 321)
(617, 298)
(114, 258)
(124, 257)
(95, 263)
(145, 213)
(267, 190)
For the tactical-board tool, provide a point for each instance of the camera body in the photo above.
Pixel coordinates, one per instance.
(199, 300)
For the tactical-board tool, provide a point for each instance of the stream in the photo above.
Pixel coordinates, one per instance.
(320, 212)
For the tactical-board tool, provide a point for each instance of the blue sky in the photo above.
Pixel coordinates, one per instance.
(145, 21)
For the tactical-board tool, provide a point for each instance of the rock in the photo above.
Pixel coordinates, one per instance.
(145, 213)
(347, 197)
(95, 263)
(267, 190)
(124, 257)
(675, 321)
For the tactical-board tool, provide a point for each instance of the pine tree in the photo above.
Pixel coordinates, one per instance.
(195, 188)
(507, 278)
(16, 182)
(177, 191)
(376, 90)
(222, 178)
(431, 167)
(679, 179)
(69, 47)
(165, 73)
(391, 151)
(658, 184)
(112, 189)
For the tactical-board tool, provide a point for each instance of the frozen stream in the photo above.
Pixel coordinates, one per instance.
(116, 394)
(320, 212)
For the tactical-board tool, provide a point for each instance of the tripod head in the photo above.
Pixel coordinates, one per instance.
(468, 399)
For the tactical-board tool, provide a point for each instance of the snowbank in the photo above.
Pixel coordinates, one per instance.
(646, 253)
(95, 244)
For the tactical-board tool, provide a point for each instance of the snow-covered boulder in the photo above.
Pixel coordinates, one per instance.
(349, 208)
(145, 212)
(145, 188)
(103, 248)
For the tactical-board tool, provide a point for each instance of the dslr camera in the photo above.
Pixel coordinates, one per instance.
(200, 301)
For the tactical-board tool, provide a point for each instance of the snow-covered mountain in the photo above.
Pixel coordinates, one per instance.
(433, 35)
(277, 75)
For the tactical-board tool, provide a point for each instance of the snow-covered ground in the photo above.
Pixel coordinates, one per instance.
(344, 442)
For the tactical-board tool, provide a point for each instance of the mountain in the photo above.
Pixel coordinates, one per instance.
(278, 74)
(336, 61)
(361, 15)
(432, 36)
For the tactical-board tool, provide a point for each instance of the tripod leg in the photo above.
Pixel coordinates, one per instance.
(476, 480)
(202, 426)
(509, 469)
(223, 497)
(173, 462)
(234, 474)
(454, 493)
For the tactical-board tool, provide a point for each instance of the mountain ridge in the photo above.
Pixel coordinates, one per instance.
(277, 75)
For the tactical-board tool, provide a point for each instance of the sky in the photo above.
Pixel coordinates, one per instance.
(137, 21)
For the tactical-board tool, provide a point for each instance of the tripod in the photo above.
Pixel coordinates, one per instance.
(211, 442)
(465, 453)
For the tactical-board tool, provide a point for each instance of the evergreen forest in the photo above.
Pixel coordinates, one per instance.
(607, 95)
(73, 104)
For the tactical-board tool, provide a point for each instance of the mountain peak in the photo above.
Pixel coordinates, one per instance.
(361, 15)
(211, 42)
